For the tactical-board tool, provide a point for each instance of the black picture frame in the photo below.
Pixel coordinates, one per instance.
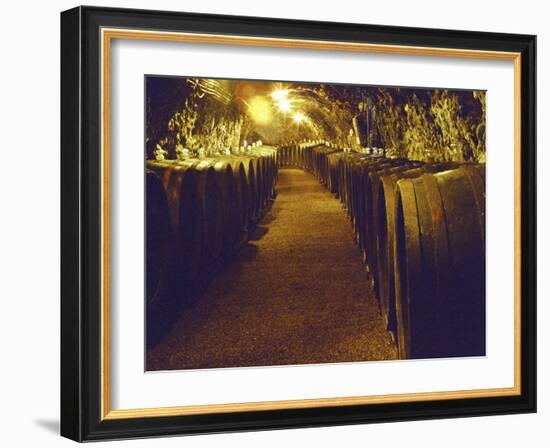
(81, 208)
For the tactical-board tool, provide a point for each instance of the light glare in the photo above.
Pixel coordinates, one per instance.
(299, 117)
(284, 105)
(279, 94)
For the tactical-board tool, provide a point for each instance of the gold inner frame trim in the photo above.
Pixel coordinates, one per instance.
(107, 35)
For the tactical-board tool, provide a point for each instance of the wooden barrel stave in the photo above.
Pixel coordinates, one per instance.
(440, 290)
(407, 262)
(225, 180)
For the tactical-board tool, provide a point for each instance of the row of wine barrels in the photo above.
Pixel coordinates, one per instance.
(368, 240)
(186, 184)
(333, 160)
(320, 166)
(439, 254)
(357, 188)
(299, 155)
(239, 213)
(211, 205)
(291, 155)
(267, 161)
(347, 173)
(420, 228)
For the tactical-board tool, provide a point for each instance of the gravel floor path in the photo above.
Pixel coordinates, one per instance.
(296, 294)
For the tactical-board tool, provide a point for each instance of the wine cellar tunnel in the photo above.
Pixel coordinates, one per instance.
(292, 223)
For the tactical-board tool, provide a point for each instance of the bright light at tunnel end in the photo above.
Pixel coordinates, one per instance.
(280, 96)
(299, 117)
(284, 105)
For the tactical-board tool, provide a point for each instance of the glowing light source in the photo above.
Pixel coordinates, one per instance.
(279, 94)
(281, 98)
(284, 105)
(259, 110)
(299, 117)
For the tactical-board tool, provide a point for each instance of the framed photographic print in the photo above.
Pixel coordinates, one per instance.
(275, 223)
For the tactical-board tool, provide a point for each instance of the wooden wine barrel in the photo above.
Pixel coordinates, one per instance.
(186, 215)
(286, 155)
(361, 203)
(334, 162)
(163, 169)
(351, 175)
(384, 220)
(321, 167)
(353, 164)
(282, 156)
(476, 177)
(250, 170)
(272, 174)
(265, 175)
(440, 264)
(302, 156)
(251, 192)
(210, 196)
(228, 203)
(358, 169)
(240, 201)
(261, 182)
(266, 164)
(276, 168)
(305, 156)
(347, 176)
(158, 235)
(342, 179)
(258, 188)
(370, 211)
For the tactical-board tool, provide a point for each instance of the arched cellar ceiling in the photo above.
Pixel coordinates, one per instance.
(219, 115)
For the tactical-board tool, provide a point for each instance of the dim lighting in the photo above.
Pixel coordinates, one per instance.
(299, 117)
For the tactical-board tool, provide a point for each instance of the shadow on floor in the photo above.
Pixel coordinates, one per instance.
(51, 426)
(259, 233)
(248, 252)
(269, 217)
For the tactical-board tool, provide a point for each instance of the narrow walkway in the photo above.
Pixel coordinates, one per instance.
(296, 294)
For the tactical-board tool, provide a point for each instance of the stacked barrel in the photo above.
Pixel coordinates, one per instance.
(420, 228)
(298, 155)
(198, 212)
